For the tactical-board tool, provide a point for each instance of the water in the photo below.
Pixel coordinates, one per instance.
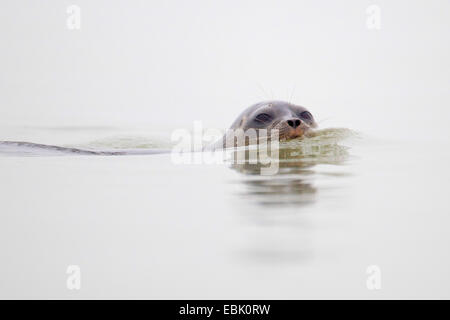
(140, 226)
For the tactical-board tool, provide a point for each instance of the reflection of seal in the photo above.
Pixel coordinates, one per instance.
(290, 120)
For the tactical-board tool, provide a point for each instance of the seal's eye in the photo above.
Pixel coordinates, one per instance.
(306, 115)
(263, 117)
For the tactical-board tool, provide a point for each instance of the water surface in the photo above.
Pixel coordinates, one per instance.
(140, 226)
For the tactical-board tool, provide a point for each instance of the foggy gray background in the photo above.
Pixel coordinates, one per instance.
(168, 63)
(144, 227)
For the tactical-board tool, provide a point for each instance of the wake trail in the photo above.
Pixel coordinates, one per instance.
(21, 148)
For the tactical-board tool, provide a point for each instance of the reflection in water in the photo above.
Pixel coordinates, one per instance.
(278, 203)
(280, 192)
(287, 187)
(297, 159)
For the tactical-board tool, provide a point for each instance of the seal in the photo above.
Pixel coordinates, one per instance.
(291, 121)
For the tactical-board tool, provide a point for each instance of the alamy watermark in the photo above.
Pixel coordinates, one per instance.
(237, 146)
(73, 281)
(73, 21)
(373, 20)
(373, 281)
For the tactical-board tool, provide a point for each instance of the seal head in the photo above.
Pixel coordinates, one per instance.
(292, 121)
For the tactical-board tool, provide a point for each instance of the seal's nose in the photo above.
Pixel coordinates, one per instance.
(294, 123)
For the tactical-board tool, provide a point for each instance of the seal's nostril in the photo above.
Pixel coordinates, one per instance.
(294, 123)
